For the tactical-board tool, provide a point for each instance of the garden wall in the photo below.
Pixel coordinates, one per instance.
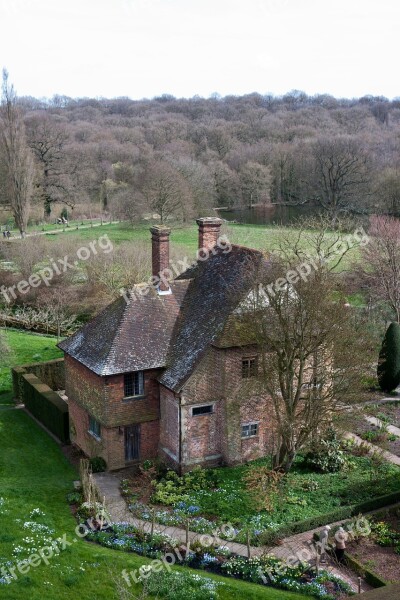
(52, 373)
(45, 405)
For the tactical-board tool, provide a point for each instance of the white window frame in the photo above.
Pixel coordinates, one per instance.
(96, 435)
(140, 376)
(249, 425)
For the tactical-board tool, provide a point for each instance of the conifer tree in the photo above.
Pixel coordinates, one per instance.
(389, 359)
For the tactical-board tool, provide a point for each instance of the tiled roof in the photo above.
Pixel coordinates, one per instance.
(216, 287)
(128, 336)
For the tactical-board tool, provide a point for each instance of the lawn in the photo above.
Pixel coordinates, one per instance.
(25, 348)
(184, 238)
(34, 474)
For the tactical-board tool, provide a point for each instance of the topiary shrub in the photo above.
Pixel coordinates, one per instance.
(98, 464)
(389, 359)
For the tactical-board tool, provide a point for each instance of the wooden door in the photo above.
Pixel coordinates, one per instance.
(132, 442)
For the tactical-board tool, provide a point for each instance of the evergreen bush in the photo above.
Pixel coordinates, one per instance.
(389, 359)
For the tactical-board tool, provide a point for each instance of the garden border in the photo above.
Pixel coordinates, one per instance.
(344, 512)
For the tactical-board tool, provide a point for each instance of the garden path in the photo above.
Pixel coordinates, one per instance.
(299, 545)
(379, 423)
(395, 460)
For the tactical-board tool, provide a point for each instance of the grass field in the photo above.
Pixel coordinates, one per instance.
(34, 474)
(25, 348)
(184, 239)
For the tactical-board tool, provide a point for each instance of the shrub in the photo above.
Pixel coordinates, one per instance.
(327, 456)
(173, 488)
(98, 464)
(389, 359)
(74, 498)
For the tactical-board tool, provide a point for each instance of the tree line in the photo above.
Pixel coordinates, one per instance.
(182, 157)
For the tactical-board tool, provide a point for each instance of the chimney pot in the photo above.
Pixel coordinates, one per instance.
(209, 231)
(160, 254)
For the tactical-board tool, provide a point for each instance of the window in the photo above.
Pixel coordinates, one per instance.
(94, 427)
(202, 410)
(133, 384)
(249, 367)
(249, 430)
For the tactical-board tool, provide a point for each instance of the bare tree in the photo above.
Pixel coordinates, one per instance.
(381, 261)
(312, 352)
(16, 155)
(341, 175)
(166, 191)
(48, 142)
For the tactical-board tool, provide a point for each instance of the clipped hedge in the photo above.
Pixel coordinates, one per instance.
(52, 373)
(370, 577)
(340, 514)
(46, 406)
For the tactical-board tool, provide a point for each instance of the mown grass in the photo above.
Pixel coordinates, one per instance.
(35, 474)
(25, 348)
(184, 238)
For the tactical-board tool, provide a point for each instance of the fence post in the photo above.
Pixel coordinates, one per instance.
(187, 537)
(248, 543)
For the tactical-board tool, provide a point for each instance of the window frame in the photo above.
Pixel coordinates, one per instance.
(201, 414)
(249, 367)
(255, 424)
(133, 384)
(96, 430)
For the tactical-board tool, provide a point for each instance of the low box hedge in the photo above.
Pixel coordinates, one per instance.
(46, 406)
(340, 514)
(370, 577)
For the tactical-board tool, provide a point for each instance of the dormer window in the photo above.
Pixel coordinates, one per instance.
(133, 384)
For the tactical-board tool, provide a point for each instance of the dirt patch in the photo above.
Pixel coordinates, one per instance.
(390, 410)
(381, 560)
(72, 454)
(361, 426)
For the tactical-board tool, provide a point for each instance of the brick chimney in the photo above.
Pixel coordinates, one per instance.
(209, 231)
(160, 255)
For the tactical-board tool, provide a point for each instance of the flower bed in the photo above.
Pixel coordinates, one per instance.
(380, 551)
(265, 570)
(210, 500)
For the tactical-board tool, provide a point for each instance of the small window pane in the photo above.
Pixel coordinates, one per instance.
(249, 367)
(94, 427)
(138, 383)
(128, 384)
(249, 430)
(202, 410)
(133, 384)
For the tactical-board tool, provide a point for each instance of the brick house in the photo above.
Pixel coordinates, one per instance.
(158, 373)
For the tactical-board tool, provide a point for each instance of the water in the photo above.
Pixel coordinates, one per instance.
(267, 215)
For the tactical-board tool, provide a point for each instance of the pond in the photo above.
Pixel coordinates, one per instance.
(267, 214)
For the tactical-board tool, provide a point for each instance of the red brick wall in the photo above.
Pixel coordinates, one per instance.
(102, 397)
(135, 410)
(218, 378)
(169, 427)
(85, 388)
(111, 445)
